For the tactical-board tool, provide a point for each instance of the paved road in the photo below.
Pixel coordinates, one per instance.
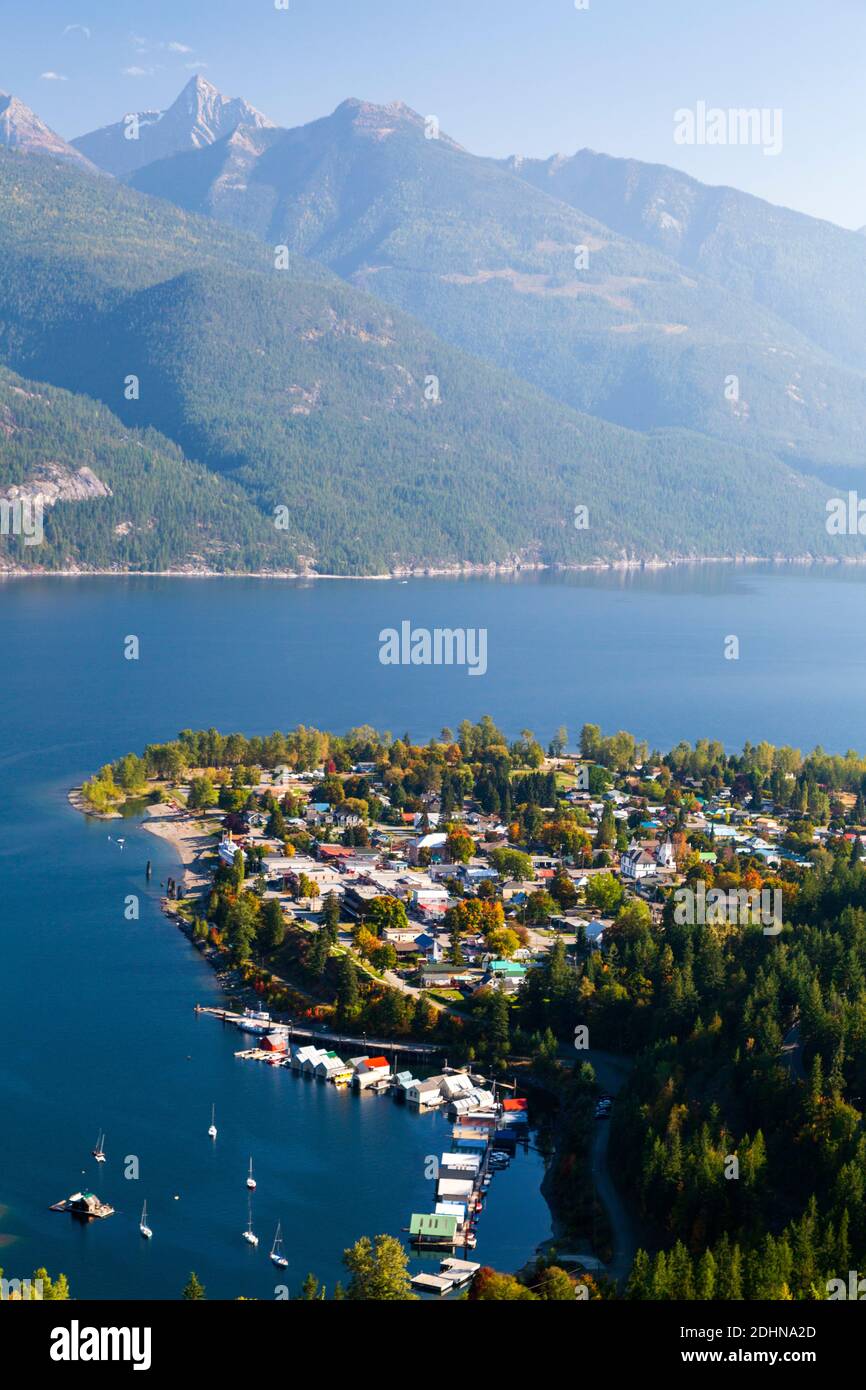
(792, 1053)
(612, 1071)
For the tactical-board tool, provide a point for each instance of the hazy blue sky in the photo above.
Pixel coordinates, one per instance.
(503, 76)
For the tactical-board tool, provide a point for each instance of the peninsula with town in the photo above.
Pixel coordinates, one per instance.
(663, 953)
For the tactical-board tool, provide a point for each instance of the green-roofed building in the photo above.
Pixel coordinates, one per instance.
(433, 1230)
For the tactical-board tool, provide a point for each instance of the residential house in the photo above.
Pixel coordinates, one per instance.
(431, 948)
(433, 843)
(402, 936)
(507, 975)
(645, 860)
(445, 976)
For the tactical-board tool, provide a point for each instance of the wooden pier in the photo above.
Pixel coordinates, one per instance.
(294, 1030)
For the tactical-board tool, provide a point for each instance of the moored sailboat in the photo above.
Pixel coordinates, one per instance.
(99, 1151)
(212, 1129)
(277, 1249)
(143, 1226)
(251, 1182)
(249, 1234)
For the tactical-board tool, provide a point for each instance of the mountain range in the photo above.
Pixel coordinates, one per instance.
(21, 129)
(421, 357)
(200, 117)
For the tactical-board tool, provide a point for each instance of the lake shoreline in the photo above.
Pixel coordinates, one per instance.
(188, 840)
(75, 797)
(457, 571)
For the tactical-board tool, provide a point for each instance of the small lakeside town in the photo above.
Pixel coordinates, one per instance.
(377, 906)
(448, 897)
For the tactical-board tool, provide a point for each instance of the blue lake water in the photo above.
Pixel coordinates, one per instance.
(96, 1013)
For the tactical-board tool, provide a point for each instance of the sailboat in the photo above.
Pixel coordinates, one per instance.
(277, 1249)
(143, 1226)
(99, 1151)
(212, 1129)
(249, 1234)
(251, 1182)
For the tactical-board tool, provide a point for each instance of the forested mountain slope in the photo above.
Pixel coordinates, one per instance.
(385, 447)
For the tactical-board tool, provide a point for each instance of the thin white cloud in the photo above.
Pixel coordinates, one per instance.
(190, 67)
(77, 29)
(145, 45)
(137, 72)
(53, 77)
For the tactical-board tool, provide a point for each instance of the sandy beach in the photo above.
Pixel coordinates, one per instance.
(190, 838)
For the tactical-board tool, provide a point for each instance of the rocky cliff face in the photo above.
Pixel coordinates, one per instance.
(56, 484)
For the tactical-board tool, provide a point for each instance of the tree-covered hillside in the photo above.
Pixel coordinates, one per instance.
(381, 446)
(151, 508)
(516, 272)
(807, 271)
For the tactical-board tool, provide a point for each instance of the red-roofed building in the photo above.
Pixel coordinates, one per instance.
(515, 1112)
(369, 1070)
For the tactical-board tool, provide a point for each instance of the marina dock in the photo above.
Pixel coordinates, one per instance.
(485, 1129)
(453, 1274)
(249, 1023)
(482, 1141)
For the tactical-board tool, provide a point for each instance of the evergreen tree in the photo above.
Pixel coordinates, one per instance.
(194, 1288)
